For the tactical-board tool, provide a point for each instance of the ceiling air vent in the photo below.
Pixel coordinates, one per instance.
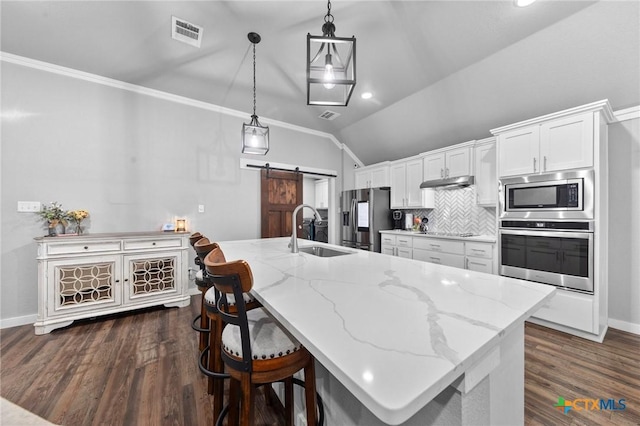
(329, 115)
(186, 32)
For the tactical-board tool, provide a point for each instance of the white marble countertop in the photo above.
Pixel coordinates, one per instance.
(477, 238)
(395, 332)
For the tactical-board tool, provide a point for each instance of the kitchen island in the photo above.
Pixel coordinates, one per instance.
(398, 341)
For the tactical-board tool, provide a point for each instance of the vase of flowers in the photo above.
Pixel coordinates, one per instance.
(55, 218)
(77, 216)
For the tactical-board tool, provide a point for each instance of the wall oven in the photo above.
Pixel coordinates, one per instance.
(553, 252)
(562, 195)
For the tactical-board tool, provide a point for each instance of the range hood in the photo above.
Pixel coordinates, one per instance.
(449, 183)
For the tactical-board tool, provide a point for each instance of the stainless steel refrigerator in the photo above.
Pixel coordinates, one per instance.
(364, 213)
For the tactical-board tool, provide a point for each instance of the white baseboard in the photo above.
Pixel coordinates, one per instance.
(17, 321)
(629, 327)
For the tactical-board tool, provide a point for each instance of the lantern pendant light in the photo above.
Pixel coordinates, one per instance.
(255, 137)
(331, 66)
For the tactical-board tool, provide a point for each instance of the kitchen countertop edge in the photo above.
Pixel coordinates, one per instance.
(476, 238)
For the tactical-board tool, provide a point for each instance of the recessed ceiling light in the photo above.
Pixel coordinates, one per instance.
(523, 3)
(366, 95)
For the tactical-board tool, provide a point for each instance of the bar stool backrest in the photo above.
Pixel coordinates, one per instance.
(195, 237)
(203, 247)
(234, 277)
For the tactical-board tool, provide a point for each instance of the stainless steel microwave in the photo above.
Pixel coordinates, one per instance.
(562, 195)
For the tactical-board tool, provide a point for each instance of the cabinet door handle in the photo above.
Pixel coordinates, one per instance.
(117, 281)
(435, 259)
(534, 164)
(467, 266)
(153, 244)
(126, 280)
(441, 173)
(544, 164)
(446, 173)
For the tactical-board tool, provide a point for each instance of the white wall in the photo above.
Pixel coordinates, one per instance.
(624, 226)
(134, 161)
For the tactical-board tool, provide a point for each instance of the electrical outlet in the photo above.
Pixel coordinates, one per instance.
(29, 206)
(200, 208)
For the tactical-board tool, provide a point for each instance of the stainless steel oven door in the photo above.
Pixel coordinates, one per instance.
(561, 258)
(540, 191)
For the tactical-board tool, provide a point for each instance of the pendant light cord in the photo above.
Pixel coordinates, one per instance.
(254, 79)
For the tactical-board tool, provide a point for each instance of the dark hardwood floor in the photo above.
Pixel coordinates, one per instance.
(561, 365)
(140, 369)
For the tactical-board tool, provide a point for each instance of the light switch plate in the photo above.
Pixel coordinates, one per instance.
(200, 208)
(29, 206)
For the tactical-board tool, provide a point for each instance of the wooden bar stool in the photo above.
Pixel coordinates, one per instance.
(214, 366)
(256, 349)
(193, 238)
(202, 247)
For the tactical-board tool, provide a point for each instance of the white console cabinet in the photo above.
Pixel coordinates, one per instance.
(87, 276)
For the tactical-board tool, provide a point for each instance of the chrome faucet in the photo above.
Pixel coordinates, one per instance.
(293, 244)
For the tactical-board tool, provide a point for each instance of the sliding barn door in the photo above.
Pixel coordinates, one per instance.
(281, 192)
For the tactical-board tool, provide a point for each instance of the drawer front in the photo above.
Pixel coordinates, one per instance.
(151, 244)
(402, 241)
(388, 239)
(387, 249)
(447, 259)
(442, 246)
(479, 250)
(405, 252)
(480, 265)
(86, 247)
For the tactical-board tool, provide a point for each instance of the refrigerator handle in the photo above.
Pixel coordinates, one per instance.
(353, 213)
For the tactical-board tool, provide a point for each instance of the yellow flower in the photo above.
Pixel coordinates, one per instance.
(78, 215)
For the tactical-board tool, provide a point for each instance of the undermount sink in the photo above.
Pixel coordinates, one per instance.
(323, 251)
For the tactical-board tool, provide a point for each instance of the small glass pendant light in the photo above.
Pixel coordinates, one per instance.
(255, 137)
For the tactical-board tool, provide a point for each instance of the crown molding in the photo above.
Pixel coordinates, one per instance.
(602, 105)
(627, 113)
(105, 81)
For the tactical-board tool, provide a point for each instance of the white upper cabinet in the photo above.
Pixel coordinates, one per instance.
(518, 152)
(406, 177)
(398, 185)
(449, 163)
(375, 176)
(322, 194)
(434, 166)
(567, 143)
(560, 144)
(485, 173)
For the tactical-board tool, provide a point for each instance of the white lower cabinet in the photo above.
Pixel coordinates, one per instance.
(440, 251)
(91, 275)
(479, 257)
(397, 245)
(472, 255)
(570, 309)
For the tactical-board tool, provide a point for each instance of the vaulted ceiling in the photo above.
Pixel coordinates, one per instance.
(441, 72)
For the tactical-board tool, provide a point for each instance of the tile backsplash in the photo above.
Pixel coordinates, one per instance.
(456, 211)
